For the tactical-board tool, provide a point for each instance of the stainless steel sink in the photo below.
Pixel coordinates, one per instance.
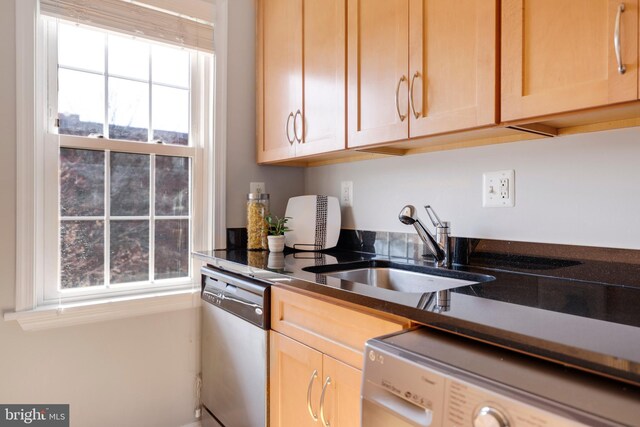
(398, 277)
(400, 280)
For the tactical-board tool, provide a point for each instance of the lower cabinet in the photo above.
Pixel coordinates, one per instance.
(307, 387)
(316, 357)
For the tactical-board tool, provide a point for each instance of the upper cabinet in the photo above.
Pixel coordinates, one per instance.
(419, 68)
(565, 55)
(301, 78)
(343, 79)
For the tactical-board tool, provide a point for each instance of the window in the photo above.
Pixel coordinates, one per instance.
(125, 215)
(125, 154)
(116, 170)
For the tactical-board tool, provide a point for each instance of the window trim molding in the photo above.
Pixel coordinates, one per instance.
(30, 195)
(49, 317)
(28, 244)
(217, 175)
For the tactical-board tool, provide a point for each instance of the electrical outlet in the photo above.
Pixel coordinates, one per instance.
(257, 187)
(498, 189)
(346, 193)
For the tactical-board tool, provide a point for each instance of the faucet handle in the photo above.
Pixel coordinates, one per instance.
(433, 216)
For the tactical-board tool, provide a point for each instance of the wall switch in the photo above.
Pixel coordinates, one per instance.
(346, 193)
(257, 187)
(498, 189)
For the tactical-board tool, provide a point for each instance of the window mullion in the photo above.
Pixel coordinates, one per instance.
(107, 218)
(105, 130)
(152, 222)
(150, 132)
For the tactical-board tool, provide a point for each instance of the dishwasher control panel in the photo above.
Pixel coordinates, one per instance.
(244, 298)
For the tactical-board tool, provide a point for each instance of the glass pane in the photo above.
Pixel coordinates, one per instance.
(81, 182)
(79, 47)
(129, 251)
(128, 109)
(80, 103)
(128, 57)
(81, 254)
(172, 248)
(129, 184)
(170, 65)
(172, 185)
(171, 115)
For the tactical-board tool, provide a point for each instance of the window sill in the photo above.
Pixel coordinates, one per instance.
(56, 316)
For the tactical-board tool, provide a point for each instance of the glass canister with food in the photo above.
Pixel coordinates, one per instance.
(257, 210)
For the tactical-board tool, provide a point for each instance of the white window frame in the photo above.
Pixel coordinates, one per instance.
(36, 176)
(200, 68)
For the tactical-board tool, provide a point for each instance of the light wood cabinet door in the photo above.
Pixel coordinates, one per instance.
(279, 78)
(377, 68)
(295, 382)
(558, 55)
(301, 78)
(340, 404)
(322, 127)
(452, 65)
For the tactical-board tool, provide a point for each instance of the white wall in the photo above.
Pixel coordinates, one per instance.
(132, 372)
(281, 182)
(581, 189)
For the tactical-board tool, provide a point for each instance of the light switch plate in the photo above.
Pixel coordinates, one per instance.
(499, 189)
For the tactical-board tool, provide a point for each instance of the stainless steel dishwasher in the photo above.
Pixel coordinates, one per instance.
(426, 378)
(235, 332)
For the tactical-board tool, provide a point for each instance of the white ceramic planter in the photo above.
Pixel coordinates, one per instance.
(276, 243)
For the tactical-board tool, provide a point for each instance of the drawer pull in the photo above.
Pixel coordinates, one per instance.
(416, 114)
(616, 40)
(288, 135)
(327, 382)
(309, 389)
(402, 116)
(295, 128)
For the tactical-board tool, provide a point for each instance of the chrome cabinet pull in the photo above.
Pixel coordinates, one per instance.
(416, 114)
(402, 116)
(295, 128)
(288, 120)
(309, 388)
(617, 42)
(324, 390)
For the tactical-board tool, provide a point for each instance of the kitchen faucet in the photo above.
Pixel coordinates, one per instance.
(438, 245)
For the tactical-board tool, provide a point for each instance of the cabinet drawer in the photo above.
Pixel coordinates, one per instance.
(333, 329)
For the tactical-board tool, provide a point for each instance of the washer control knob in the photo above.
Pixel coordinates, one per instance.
(487, 416)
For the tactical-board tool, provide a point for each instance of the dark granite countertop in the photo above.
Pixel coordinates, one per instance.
(580, 312)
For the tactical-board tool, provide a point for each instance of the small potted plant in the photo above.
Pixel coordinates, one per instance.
(276, 229)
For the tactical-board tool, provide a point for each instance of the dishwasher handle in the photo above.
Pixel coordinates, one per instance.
(223, 296)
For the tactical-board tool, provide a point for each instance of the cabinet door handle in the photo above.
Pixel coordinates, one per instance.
(616, 40)
(416, 114)
(287, 130)
(327, 382)
(402, 116)
(295, 128)
(309, 388)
